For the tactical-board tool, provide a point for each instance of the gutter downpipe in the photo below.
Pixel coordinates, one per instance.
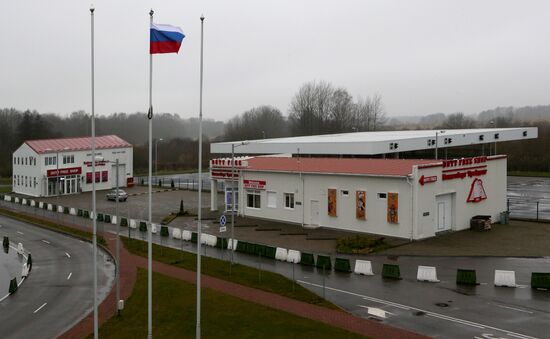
(412, 205)
(303, 193)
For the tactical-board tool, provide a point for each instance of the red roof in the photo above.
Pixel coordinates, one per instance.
(392, 167)
(76, 144)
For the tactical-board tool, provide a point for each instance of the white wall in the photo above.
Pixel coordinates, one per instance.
(26, 173)
(315, 187)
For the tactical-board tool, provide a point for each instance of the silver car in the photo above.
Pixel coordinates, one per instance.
(122, 196)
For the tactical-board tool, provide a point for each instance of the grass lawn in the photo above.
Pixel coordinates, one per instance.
(529, 174)
(222, 316)
(244, 275)
(5, 180)
(5, 189)
(51, 225)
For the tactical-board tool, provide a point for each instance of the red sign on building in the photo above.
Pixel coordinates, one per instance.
(254, 184)
(426, 180)
(64, 171)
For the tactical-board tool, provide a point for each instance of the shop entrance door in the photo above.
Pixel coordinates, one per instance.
(444, 205)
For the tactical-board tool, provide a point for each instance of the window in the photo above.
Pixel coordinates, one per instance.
(382, 195)
(18, 160)
(289, 200)
(25, 181)
(14, 160)
(271, 199)
(253, 199)
(35, 183)
(25, 160)
(344, 193)
(104, 176)
(68, 159)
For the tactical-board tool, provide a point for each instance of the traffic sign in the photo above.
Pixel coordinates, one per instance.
(223, 221)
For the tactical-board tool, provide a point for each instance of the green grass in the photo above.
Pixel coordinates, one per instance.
(5, 189)
(52, 225)
(361, 244)
(5, 181)
(240, 274)
(222, 316)
(529, 174)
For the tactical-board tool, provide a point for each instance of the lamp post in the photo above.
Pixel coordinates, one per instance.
(233, 146)
(493, 125)
(157, 155)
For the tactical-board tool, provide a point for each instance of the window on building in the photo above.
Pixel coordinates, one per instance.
(25, 181)
(35, 183)
(14, 181)
(271, 199)
(289, 200)
(382, 195)
(253, 199)
(18, 160)
(14, 160)
(104, 176)
(344, 193)
(25, 160)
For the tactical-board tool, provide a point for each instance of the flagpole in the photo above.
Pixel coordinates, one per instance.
(199, 214)
(150, 238)
(94, 236)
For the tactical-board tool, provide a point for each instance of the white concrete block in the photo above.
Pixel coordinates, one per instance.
(176, 233)
(208, 239)
(91, 215)
(154, 228)
(213, 240)
(24, 202)
(294, 256)
(363, 267)
(7, 198)
(114, 220)
(72, 211)
(41, 204)
(281, 254)
(133, 223)
(24, 270)
(33, 203)
(16, 200)
(186, 235)
(20, 249)
(427, 273)
(505, 278)
(60, 209)
(232, 244)
(50, 207)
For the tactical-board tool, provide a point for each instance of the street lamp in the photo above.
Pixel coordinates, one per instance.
(437, 142)
(493, 125)
(233, 146)
(157, 154)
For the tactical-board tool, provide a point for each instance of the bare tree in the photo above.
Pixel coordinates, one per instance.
(458, 121)
(378, 115)
(310, 108)
(256, 123)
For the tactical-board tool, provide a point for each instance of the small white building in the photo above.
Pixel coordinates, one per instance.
(63, 166)
(403, 198)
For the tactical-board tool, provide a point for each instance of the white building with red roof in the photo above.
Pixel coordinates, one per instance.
(50, 167)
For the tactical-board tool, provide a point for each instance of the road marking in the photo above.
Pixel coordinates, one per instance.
(20, 232)
(46, 241)
(433, 314)
(4, 297)
(68, 255)
(70, 274)
(513, 308)
(38, 309)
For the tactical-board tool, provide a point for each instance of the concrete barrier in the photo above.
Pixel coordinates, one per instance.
(176, 233)
(466, 277)
(16, 200)
(13, 285)
(24, 202)
(59, 209)
(281, 254)
(363, 267)
(294, 256)
(540, 280)
(33, 203)
(505, 278)
(186, 235)
(164, 232)
(50, 207)
(20, 249)
(307, 259)
(232, 244)
(133, 223)
(143, 226)
(324, 261)
(154, 228)
(342, 265)
(92, 215)
(40, 204)
(391, 271)
(114, 220)
(208, 239)
(427, 273)
(7, 198)
(24, 270)
(72, 211)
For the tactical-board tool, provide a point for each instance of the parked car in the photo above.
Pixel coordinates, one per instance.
(122, 196)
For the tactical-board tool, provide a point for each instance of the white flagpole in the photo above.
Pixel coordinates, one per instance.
(150, 238)
(94, 237)
(199, 214)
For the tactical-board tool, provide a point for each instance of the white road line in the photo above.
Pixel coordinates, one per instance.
(513, 308)
(20, 232)
(433, 314)
(70, 274)
(4, 297)
(38, 309)
(68, 255)
(46, 241)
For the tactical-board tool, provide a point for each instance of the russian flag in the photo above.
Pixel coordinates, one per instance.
(165, 39)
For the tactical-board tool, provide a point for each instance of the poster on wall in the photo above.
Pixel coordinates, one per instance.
(360, 204)
(332, 202)
(393, 208)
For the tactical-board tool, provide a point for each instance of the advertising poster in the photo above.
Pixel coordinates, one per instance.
(332, 202)
(393, 208)
(360, 204)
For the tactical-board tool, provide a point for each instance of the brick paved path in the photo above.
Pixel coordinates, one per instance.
(128, 273)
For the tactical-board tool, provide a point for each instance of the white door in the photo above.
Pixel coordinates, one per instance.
(121, 175)
(444, 212)
(314, 212)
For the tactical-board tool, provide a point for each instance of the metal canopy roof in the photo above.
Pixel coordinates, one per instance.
(371, 143)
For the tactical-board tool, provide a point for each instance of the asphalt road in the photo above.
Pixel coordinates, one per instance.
(59, 290)
(523, 195)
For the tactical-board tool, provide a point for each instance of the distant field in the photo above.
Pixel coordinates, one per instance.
(223, 316)
(529, 174)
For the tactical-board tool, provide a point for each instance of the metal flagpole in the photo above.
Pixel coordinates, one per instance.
(117, 246)
(150, 238)
(199, 227)
(94, 237)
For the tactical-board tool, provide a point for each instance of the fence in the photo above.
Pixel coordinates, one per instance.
(191, 184)
(528, 208)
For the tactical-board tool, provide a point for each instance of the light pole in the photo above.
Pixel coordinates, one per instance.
(493, 125)
(157, 155)
(117, 245)
(233, 146)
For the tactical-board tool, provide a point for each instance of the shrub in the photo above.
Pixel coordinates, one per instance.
(361, 244)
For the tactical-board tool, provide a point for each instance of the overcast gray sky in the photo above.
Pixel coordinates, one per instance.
(421, 56)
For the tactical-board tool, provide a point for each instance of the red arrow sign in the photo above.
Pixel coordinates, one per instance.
(426, 180)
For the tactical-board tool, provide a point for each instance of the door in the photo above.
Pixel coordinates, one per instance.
(440, 216)
(444, 204)
(121, 175)
(314, 212)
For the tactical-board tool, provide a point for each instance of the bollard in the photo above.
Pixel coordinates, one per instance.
(6, 241)
(13, 285)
